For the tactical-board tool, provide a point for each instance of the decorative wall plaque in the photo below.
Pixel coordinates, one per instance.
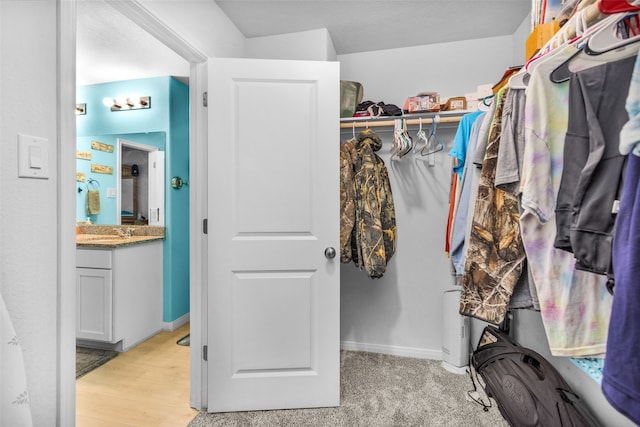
(101, 146)
(84, 155)
(108, 170)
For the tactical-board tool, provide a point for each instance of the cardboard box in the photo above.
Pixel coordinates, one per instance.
(423, 103)
(540, 35)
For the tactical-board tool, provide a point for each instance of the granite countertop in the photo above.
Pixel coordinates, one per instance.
(107, 236)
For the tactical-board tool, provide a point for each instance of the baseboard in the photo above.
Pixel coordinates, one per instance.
(393, 350)
(460, 370)
(172, 326)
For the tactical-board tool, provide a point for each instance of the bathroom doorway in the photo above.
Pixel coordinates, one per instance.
(190, 58)
(140, 184)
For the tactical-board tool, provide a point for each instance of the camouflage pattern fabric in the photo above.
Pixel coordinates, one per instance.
(347, 199)
(374, 233)
(495, 253)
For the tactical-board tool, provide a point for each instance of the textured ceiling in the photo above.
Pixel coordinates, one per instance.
(112, 48)
(367, 25)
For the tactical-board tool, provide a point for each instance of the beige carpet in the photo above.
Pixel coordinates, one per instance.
(379, 390)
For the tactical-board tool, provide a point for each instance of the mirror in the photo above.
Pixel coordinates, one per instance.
(129, 197)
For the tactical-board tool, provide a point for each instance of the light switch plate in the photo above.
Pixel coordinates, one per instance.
(111, 193)
(33, 157)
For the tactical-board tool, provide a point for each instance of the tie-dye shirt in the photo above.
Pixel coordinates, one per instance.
(630, 133)
(575, 305)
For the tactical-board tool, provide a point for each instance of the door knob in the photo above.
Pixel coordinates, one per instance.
(330, 252)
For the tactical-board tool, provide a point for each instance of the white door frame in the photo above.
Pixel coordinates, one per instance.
(66, 199)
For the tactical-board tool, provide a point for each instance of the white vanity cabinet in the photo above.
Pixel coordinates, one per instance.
(119, 295)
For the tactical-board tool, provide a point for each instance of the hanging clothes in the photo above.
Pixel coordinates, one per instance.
(495, 254)
(459, 154)
(592, 173)
(621, 376)
(458, 234)
(373, 235)
(575, 305)
(347, 199)
(508, 167)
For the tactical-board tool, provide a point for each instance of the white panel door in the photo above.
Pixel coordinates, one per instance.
(156, 187)
(273, 203)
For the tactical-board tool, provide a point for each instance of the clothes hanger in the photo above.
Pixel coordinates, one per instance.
(406, 142)
(485, 103)
(584, 58)
(585, 61)
(422, 136)
(353, 133)
(562, 73)
(433, 139)
(519, 80)
(607, 38)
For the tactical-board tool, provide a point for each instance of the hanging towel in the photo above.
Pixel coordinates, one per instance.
(93, 202)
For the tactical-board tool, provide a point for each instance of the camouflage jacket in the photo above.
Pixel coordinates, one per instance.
(347, 199)
(373, 238)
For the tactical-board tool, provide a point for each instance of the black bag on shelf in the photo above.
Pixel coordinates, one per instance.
(377, 109)
(528, 389)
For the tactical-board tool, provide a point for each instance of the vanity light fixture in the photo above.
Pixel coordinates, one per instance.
(123, 103)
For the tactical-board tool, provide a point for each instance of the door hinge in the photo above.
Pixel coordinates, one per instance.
(205, 226)
(205, 351)
(205, 99)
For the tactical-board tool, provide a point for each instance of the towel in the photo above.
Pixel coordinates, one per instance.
(93, 202)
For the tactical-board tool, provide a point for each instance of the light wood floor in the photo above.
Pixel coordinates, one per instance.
(146, 386)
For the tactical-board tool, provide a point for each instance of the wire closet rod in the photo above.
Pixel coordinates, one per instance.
(378, 123)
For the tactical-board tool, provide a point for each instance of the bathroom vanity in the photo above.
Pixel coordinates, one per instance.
(118, 286)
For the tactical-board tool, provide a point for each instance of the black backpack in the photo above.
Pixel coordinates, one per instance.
(528, 389)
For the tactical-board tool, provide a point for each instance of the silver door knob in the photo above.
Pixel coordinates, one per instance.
(330, 253)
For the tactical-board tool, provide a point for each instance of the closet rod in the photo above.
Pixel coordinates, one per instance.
(373, 124)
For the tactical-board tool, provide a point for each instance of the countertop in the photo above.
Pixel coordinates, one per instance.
(107, 236)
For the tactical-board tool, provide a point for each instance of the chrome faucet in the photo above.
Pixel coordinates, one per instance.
(119, 232)
(129, 232)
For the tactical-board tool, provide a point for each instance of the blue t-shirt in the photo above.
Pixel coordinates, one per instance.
(461, 140)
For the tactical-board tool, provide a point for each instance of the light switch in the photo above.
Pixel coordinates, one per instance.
(33, 157)
(111, 193)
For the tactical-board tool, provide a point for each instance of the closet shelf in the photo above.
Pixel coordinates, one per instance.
(411, 119)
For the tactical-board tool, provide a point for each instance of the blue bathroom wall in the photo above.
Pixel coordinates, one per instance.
(164, 125)
(177, 212)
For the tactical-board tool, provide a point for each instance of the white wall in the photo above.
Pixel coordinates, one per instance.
(520, 41)
(451, 69)
(314, 45)
(401, 313)
(28, 213)
(203, 24)
(529, 332)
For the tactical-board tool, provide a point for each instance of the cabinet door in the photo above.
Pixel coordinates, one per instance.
(94, 288)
